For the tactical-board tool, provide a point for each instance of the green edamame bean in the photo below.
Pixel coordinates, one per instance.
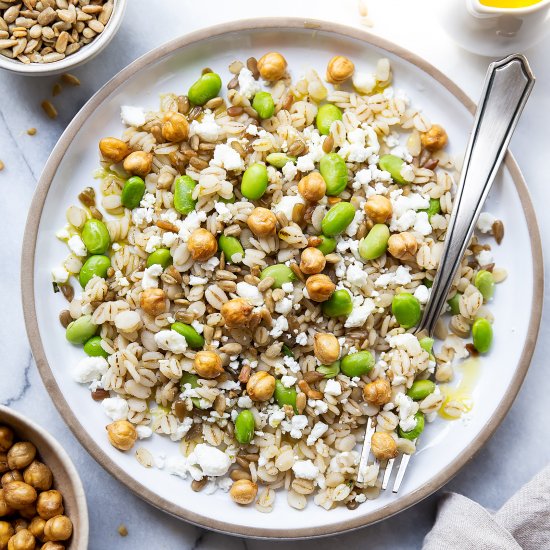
(326, 115)
(280, 272)
(338, 304)
(132, 192)
(96, 236)
(428, 283)
(337, 219)
(426, 344)
(254, 182)
(375, 243)
(434, 208)
(416, 431)
(482, 335)
(160, 256)
(328, 244)
(329, 371)
(81, 330)
(454, 303)
(183, 194)
(244, 427)
(94, 265)
(485, 283)
(406, 309)
(287, 351)
(193, 338)
(279, 159)
(232, 248)
(420, 389)
(193, 381)
(393, 165)
(357, 364)
(207, 87)
(335, 173)
(285, 396)
(263, 104)
(93, 347)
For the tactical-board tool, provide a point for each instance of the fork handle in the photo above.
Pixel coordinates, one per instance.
(508, 84)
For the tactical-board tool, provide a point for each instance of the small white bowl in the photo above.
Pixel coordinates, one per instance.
(80, 57)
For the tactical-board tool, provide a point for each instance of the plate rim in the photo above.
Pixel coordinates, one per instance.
(48, 378)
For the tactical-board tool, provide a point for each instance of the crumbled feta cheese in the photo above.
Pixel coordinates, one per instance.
(295, 426)
(484, 258)
(224, 213)
(90, 369)
(284, 306)
(153, 243)
(252, 129)
(171, 340)
(197, 281)
(404, 209)
(169, 238)
(363, 82)
(422, 294)
(407, 409)
(422, 224)
(276, 417)
(132, 116)
(360, 312)
(212, 461)
(289, 171)
(115, 408)
(244, 402)
(150, 276)
(143, 432)
(248, 86)
(77, 246)
(286, 205)
(406, 341)
(211, 264)
(305, 163)
(207, 129)
(279, 326)
(401, 276)
(305, 469)
(60, 274)
(176, 466)
(226, 157)
(301, 339)
(229, 385)
(288, 381)
(182, 429)
(356, 275)
(142, 216)
(333, 387)
(63, 234)
(318, 406)
(317, 431)
(291, 363)
(250, 293)
(288, 287)
(360, 498)
(191, 222)
(485, 222)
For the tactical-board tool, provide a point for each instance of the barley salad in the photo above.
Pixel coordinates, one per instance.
(251, 269)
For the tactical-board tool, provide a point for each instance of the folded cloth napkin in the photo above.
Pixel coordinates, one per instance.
(523, 523)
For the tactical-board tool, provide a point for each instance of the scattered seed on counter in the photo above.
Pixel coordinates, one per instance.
(31, 131)
(49, 109)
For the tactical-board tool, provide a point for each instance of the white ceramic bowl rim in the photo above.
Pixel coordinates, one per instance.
(83, 55)
(27, 281)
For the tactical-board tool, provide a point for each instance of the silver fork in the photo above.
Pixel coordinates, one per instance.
(508, 84)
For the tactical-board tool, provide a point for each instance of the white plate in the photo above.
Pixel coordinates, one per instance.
(446, 446)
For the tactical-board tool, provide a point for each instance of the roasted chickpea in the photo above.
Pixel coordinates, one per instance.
(58, 528)
(208, 364)
(319, 287)
(4, 466)
(262, 222)
(339, 69)
(19, 524)
(21, 455)
(6, 532)
(326, 347)
(6, 438)
(383, 446)
(378, 209)
(114, 149)
(23, 540)
(202, 245)
(236, 313)
(28, 512)
(402, 246)
(138, 163)
(36, 527)
(38, 475)
(434, 139)
(122, 435)
(153, 301)
(312, 187)
(260, 386)
(312, 261)
(243, 491)
(12, 475)
(52, 546)
(19, 494)
(377, 392)
(5, 509)
(175, 127)
(272, 66)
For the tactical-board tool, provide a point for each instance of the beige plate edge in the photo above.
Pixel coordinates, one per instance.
(27, 285)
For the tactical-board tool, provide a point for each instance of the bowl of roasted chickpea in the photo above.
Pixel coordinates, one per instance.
(42, 502)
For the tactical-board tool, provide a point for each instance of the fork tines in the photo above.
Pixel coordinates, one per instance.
(363, 462)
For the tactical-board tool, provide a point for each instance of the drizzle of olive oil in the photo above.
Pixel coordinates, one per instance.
(509, 4)
(462, 392)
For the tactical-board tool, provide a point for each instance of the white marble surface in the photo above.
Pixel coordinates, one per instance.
(518, 449)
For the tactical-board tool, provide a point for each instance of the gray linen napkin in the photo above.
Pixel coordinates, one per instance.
(523, 523)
